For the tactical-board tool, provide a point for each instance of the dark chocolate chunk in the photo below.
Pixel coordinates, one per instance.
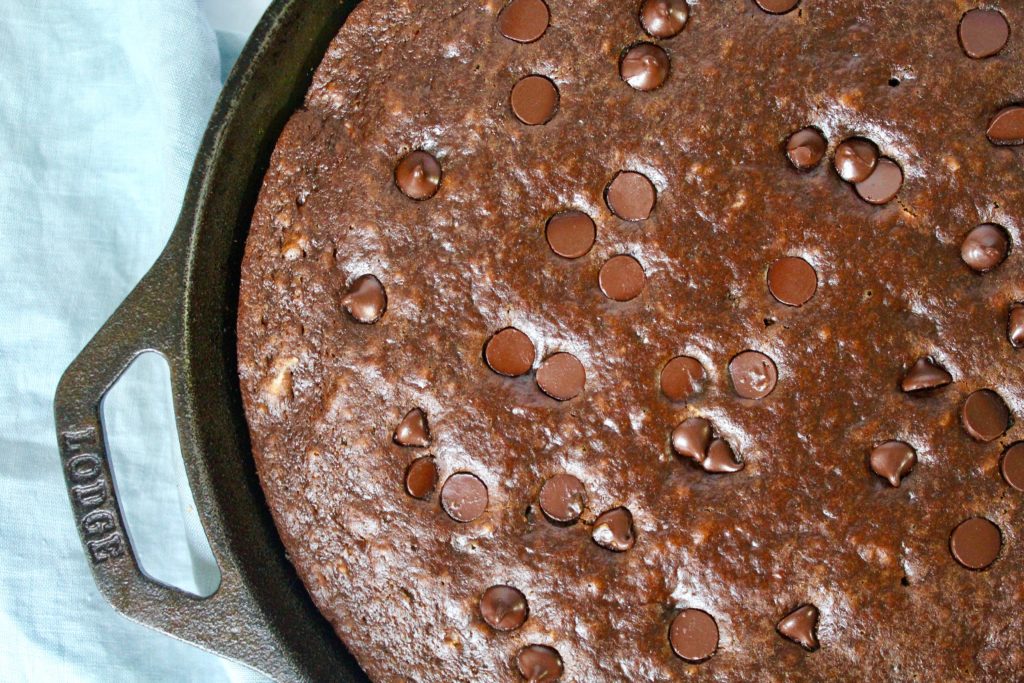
(691, 438)
(365, 300)
(613, 530)
(524, 21)
(539, 663)
(664, 18)
(464, 497)
(681, 378)
(721, 459)
(622, 278)
(985, 416)
(509, 352)
(884, 183)
(856, 159)
(631, 196)
(975, 543)
(418, 175)
(563, 498)
(777, 6)
(801, 626)
(985, 247)
(413, 430)
(753, 374)
(1007, 127)
(792, 281)
(806, 148)
(693, 635)
(570, 234)
(503, 608)
(421, 477)
(983, 32)
(925, 374)
(1015, 326)
(893, 460)
(561, 376)
(1012, 465)
(534, 100)
(644, 66)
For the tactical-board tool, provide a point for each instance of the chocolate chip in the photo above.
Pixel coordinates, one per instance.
(693, 635)
(806, 148)
(681, 378)
(1007, 127)
(622, 278)
(975, 543)
(418, 175)
(753, 374)
(985, 247)
(563, 498)
(509, 352)
(613, 530)
(524, 21)
(925, 374)
(534, 100)
(365, 300)
(792, 281)
(985, 416)
(1015, 326)
(413, 430)
(983, 32)
(539, 663)
(561, 376)
(464, 497)
(630, 196)
(893, 460)
(503, 608)
(691, 438)
(800, 626)
(777, 6)
(855, 159)
(644, 66)
(721, 459)
(570, 234)
(883, 184)
(421, 477)
(1012, 466)
(664, 18)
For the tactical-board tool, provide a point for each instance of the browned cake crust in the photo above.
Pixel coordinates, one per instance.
(812, 519)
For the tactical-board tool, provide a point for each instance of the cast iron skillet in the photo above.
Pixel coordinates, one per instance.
(184, 309)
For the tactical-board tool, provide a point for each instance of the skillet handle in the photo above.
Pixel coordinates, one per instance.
(150, 319)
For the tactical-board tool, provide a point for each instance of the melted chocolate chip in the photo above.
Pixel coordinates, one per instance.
(570, 234)
(464, 497)
(421, 477)
(693, 635)
(664, 18)
(365, 300)
(925, 374)
(561, 376)
(721, 459)
(503, 608)
(806, 148)
(681, 378)
(613, 530)
(792, 281)
(893, 460)
(539, 663)
(534, 100)
(563, 498)
(631, 196)
(1015, 326)
(800, 626)
(777, 6)
(418, 175)
(509, 352)
(524, 21)
(985, 247)
(644, 66)
(975, 543)
(413, 430)
(1012, 465)
(691, 438)
(884, 183)
(753, 374)
(855, 159)
(1007, 127)
(622, 278)
(983, 32)
(985, 416)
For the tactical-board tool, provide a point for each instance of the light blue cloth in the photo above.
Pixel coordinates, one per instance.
(102, 107)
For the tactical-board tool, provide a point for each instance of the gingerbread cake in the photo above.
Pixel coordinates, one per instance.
(622, 340)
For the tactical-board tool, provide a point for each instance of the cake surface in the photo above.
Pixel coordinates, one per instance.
(619, 341)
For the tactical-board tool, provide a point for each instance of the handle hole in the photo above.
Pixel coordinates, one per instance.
(152, 487)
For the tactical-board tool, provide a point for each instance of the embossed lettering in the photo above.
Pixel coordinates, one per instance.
(84, 467)
(91, 495)
(106, 548)
(74, 441)
(98, 522)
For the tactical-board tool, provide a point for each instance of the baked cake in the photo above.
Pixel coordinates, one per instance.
(609, 340)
